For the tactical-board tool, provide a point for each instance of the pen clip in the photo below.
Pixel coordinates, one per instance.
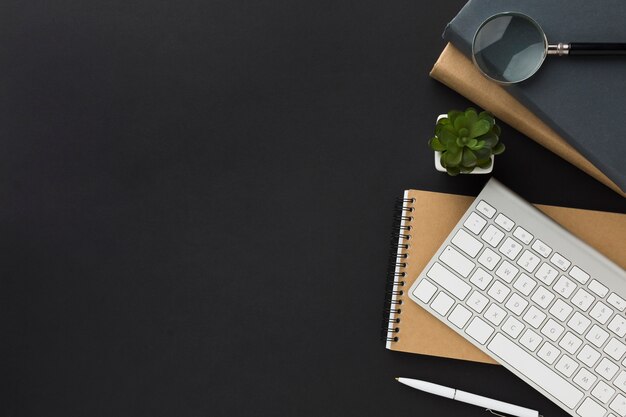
(494, 413)
(498, 414)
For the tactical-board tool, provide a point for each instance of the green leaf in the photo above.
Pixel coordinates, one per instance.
(453, 171)
(442, 160)
(453, 114)
(482, 154)
(471, 115)
(496, 129)
(446, 136)
(498, 149)
(460, 143)
(453, 158)
(479, 128)
(485, 115)
(485, 164)
(461, 122)
(469, 158)
(490, 140)
(478, 145)
(467, 170)
(436, 145)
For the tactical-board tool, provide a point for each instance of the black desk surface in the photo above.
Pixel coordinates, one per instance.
(196, 199)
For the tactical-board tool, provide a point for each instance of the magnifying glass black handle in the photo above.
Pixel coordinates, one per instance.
(586, 48)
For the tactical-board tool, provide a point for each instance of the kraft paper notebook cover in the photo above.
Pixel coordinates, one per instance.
(433, 217)
(458, 72)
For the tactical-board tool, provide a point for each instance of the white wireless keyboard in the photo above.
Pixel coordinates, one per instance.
(535, 298)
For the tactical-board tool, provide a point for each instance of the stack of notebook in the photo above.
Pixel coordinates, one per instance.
(572, 106)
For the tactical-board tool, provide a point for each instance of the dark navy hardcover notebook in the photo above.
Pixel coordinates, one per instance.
(581, 98)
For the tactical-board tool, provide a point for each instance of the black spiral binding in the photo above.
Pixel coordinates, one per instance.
(400, 238)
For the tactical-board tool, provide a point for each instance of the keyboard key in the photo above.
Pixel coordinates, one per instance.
(578, 323)
(570, 342)
(618, 326)
(475, 223)
(548, 353)
(534, 317)
(479, 330)
(560, 261)
(546, 274)
(481, 278)
(585, 379)
(525, 284)
(512, 327)
(536, 371)
(510, 248)
(457, 261)
(579, 275)
(528, 261)
(565, 287)
(424, 290)
(485, 209)
(615, 349)
(523, 235)
(601, 312)
(566, 366)
(603, 392)
(495, 314)
(489, 259)
(552, 330)
(446, 279)
(598, 289)
(504, 222)
(588, 355)
(492, 235)
(590, 408)
(616, 301)
(607, 369)
(467, 243)
(498, 291)
(582, 299)
(561, 310)
(543, 297)
(541, 248)
(477, 302)
(459, 316)
(619, 405)
(530, 340)
(516, 304)
(442, 303)
(620, 381)
(507, 271)
(597, 336)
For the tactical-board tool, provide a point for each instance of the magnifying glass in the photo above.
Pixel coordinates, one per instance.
(510, 47)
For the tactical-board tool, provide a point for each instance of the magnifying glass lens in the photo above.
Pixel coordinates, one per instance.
(509, 47)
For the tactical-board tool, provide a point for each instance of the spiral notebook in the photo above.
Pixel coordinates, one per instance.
(422, 221)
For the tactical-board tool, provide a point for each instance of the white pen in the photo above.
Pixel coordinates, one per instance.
(466, 397)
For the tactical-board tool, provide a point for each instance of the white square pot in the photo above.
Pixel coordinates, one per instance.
(476, 170)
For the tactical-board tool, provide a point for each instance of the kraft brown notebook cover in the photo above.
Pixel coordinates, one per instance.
(457, 72)
(434, 215)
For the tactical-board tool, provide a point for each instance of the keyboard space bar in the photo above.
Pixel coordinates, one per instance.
(535, 371)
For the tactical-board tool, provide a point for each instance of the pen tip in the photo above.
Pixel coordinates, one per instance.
(397, 378)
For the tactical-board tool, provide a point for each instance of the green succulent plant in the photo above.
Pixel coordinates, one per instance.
(466, 140)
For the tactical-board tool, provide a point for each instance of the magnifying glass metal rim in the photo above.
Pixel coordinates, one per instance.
(522, 15)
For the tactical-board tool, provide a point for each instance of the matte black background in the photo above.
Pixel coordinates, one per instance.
(196, 199)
